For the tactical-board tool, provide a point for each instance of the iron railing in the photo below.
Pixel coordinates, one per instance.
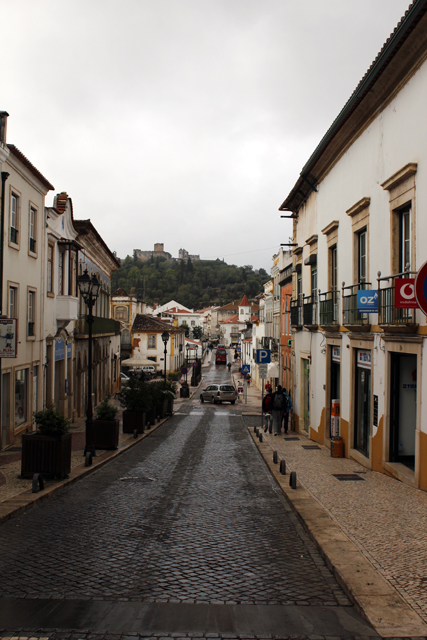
(310, 304)
(31, 328)
(296, 313)
(329, 307)
(387, 313)
(32, 245)
(350, 315)
(14, 235)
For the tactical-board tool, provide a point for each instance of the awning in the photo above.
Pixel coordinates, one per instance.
(273, 370)
(137, 361)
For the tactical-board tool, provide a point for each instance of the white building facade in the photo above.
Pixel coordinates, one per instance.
(359, 225)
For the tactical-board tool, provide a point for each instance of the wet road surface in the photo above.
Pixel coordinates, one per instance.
(184, 533)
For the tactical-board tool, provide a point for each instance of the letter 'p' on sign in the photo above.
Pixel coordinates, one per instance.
(263, 356)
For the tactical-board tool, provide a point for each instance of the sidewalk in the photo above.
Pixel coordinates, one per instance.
(370, 528)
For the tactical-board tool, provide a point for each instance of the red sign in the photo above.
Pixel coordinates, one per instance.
(404, 293)
(421, 288)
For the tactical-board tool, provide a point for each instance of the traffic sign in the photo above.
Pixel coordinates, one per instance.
(404, 293)
(184, 370)
(367, 301)
(263, 356)
(262, 371)
(194, 364)
(246, 368)
(421, 288)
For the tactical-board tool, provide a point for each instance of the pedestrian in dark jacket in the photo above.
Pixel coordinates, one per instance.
(278, 407)
(287, 411)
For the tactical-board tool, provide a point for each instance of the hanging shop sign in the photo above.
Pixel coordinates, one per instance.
(8, 338)
(421, 288)
(404, 293)
(336, 354)
(364, 358)
(367, 301)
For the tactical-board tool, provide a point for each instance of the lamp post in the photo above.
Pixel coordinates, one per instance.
(89, 288)
(165, 338)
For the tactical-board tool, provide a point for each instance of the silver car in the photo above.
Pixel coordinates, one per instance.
(217, 393)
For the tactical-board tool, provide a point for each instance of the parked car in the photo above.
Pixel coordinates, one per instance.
(124, 378)
(217, 393)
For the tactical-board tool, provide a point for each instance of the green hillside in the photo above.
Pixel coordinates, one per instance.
(193, 284)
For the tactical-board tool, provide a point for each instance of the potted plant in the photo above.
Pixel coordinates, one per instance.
(136, 401)
(48, 450)
(170, 394)
(159, 399)
(106, 426)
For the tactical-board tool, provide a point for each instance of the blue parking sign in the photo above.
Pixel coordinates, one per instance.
(263, 356)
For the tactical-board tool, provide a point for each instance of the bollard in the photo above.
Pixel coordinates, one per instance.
(148, 425)
(88, 459)
(270, 428)
(293, 480)
(38, 483)
(135, 434)
(260, 436)
(283, 467)
(275, 457)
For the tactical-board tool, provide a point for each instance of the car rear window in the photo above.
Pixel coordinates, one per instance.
(226, 387)
(221, 352)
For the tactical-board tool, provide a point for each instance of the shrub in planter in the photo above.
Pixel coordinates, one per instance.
(135, 399)
(48, 451)
(106, 426)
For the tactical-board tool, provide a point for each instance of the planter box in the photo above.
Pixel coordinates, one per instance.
(161, 409)
(106, 434)
(50, 456)
(151, 416)
(133, 420)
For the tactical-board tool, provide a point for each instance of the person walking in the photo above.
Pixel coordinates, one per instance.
(228, 366)
(278, 407)
(288, 408)
(266, 407)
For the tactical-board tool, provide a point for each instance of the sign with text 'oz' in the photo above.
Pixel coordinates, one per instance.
(367, 301)
(263, 356)
(262, 370)
(8, 338)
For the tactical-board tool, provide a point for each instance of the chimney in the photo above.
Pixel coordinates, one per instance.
(3, 126)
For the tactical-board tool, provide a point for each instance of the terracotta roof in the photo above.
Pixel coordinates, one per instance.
(18, 154)
(148, 323)
(120, 293)
(245, 302)
(230, 305)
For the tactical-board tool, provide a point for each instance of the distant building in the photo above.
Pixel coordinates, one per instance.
(184, 255)
(159, 252)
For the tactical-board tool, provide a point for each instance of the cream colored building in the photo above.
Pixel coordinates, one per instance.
(360, 226)
(23, 289)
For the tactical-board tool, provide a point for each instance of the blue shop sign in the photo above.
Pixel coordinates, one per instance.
(69, 350)
(59, 349)
(367, 301)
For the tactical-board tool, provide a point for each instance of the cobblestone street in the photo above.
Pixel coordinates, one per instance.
(189, 516)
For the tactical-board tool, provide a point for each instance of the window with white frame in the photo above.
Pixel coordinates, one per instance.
(61, 273)
(33, 222)
(50, 268)
(31, 312)
(13, 302)
(14, 203)
(152, 342)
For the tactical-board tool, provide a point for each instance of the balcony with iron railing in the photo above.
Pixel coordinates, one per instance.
(296, 313)
(350, 316)
(310, 305)
(391, 319)
(329, 309)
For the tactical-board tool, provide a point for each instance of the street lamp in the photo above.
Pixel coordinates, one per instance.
(89, 288)
(165, 338)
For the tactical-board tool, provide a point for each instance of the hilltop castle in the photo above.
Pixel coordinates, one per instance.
(159, 252)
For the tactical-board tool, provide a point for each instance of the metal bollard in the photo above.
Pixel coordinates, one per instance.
(38, 483)
(148, 425)
(293, 480)
(135, 434)
(283, 467)
(260, 436)
(88, 459)
(275, 457)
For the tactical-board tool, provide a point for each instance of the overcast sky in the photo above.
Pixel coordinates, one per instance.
(185, 122)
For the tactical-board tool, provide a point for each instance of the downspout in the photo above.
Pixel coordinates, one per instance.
(4, 177)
